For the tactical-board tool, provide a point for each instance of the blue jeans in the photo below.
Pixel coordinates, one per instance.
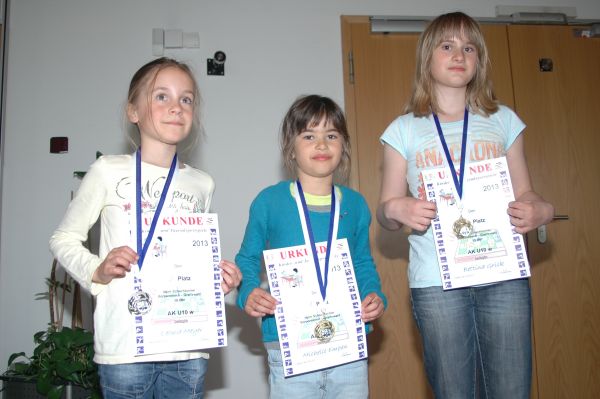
(476, 336)
(348, 381)
(177, 380)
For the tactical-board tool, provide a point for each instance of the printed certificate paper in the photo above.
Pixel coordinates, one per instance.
(483, 246)
(314, 335)
(181, 285)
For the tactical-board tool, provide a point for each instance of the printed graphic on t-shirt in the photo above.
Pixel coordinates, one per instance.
(151, 190)
(432, 156)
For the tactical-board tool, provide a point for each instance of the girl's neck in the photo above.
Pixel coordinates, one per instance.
(451, 103)
(158, 155)
(316, 185)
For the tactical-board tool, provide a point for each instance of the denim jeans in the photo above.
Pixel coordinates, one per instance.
(176, 380)
(476, 336)
(348, 381)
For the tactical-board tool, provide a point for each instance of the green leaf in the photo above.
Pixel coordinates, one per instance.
(56, 392)
(61, 355)
(15, 356)
(43, 384)
(20, 368)
(65, 370)
(37, 337)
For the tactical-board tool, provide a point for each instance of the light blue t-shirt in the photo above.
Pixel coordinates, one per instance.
(416, 139)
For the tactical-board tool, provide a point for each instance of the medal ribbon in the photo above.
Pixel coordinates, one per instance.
(141, 250)
(322, 277)
(457, 183)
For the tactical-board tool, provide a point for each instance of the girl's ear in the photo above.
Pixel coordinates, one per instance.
(132, 114)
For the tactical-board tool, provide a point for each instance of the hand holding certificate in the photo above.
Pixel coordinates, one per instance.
(475, 242)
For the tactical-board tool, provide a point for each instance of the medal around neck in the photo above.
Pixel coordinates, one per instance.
(462, 228)
(324, 330)
(140, 303)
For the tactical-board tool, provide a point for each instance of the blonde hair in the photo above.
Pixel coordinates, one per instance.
(307, 112)
(480, 97)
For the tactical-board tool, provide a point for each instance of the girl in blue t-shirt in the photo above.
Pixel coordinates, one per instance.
(481, 330)
(315, 147)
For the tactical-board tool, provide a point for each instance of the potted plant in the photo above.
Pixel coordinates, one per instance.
(63, 357)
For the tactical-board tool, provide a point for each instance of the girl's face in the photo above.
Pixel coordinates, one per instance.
(318, 151)
(164, 111)
(453, 63)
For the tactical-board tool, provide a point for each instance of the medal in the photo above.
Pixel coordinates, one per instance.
(462, 227)
(324, 330)
(140, 303)
(309, 239)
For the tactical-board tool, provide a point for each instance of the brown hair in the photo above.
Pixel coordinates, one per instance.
(480, 96)
(307, 112)
(145, 78)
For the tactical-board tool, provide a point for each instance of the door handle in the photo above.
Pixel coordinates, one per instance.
(542, 235)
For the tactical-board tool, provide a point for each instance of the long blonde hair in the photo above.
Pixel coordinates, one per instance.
(480, 97)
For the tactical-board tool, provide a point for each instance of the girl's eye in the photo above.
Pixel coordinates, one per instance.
(445, 47)
(307, 136)
(333, 136)
(187, 100)
(161, 97)
(470, 49)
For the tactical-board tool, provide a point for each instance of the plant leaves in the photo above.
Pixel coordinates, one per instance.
(15, 356)
(56, 392)
(43, 384)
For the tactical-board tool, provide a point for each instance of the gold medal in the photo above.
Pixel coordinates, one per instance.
(462, 227)
(324, 330)
(140, 303)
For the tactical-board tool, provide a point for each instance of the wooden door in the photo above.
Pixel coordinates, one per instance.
(376, 90)
(561, 108)
(377, 86)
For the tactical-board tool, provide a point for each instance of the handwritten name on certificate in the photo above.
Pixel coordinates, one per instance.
(315, 334)
(474, 240)
(181, 282)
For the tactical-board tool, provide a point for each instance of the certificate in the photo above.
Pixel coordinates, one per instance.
(315, 333)
(474, 240)
(177, 301)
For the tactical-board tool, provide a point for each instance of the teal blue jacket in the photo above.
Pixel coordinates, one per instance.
(274, 223)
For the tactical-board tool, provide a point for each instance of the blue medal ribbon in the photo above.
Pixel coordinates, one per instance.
(323, 280)
(458, 180)
(141, 250)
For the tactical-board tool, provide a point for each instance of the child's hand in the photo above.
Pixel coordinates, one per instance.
(372, 307)
(529, 215)
(116, 265)
(414, 213)
(231, 276)
(260, 303)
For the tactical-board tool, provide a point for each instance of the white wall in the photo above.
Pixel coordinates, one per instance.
(69, 64)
